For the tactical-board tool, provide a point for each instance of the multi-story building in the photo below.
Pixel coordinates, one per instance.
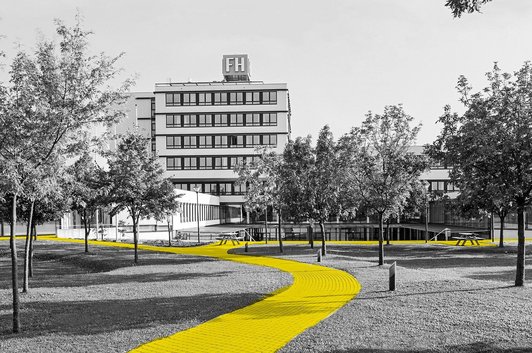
(202, 130)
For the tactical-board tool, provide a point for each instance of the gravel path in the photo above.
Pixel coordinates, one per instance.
(99, 302)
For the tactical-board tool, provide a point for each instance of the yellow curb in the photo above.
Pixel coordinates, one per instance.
(267, 325)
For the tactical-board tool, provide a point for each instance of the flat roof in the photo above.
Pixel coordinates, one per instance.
(212, 83)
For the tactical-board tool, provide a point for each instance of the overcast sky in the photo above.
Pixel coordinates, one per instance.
(339, 58)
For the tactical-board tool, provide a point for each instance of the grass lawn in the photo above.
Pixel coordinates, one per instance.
(448, 299)
(100, 302)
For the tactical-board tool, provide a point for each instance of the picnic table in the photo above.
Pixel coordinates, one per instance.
(224, 237)
(465, 237)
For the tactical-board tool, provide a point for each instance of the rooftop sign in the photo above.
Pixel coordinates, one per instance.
(235, 67)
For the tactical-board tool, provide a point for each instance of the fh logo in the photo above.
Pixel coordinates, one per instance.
(235, 64)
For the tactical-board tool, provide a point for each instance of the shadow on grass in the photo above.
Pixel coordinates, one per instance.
(64, 265)
(104, 316)
(412, 294)
(462, 348)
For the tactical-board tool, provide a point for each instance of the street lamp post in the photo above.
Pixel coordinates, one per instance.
(197, 189)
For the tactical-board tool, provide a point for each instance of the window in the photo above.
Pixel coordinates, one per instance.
(205, 120)
(205, 141)
(225, 188)
(239, 189)
(205, 162)
(236, 141)
(173, 163)
(236, 98)
(234, 161)
(189, 99)
(252, 159)
(220, 98)
(253, 119)
(190, 163)
(210, 188)
(220, 163)
(252, 98)
(173, 120)
(173, 99)
(269, 119)
(269, 97)
(189, 120)
(205, 98)
(236, 119)
(189, 142)
(173, 142)
(220, 141)
(269, 140)
(220, 120)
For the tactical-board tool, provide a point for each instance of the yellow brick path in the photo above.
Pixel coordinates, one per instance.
(267, 325)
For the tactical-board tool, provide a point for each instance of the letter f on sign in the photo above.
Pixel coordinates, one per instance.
(228, 64)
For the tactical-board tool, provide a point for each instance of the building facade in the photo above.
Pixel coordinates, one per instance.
(202, 130)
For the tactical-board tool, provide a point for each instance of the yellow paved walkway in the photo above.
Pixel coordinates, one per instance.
(267, 325)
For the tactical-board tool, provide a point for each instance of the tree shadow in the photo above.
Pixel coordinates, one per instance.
(485, 347)
(104, 316)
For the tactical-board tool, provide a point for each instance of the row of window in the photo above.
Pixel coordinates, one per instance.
(190, 212)
(221, 98)
(441, 185)
(215, 188)
(220, 141)
(219, 120)
(207, 162)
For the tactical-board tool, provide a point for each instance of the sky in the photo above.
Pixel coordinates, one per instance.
(340, 58)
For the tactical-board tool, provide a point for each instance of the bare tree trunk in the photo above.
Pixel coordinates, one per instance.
(33, 236)
(14, 268)
(311, 236)
(87, 229)
(520, 270)
(381, 240)
(135, 238)
(280, 234)
(501, 233)
(266, 225)
(169, 233)
(29, 228)
(323, 245)
(387, 232)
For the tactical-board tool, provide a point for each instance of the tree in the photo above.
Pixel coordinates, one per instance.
(86, 192)
(135, 183)
(491, 143)
(264, 185)
(383, 171)
(298, 160)
(324, 185)
(53, 95)
(458, 7)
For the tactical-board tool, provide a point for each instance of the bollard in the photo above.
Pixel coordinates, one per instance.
(246, 247)
(392, 272)
(319, 255)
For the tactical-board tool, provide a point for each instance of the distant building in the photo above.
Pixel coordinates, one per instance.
(202, 130)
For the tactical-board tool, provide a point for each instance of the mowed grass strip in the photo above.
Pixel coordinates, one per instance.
(100, 302)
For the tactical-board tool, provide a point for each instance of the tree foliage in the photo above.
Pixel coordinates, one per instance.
(135, 183)
(490, 145)
(379, 168)
(459, 7)
(53, 94)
